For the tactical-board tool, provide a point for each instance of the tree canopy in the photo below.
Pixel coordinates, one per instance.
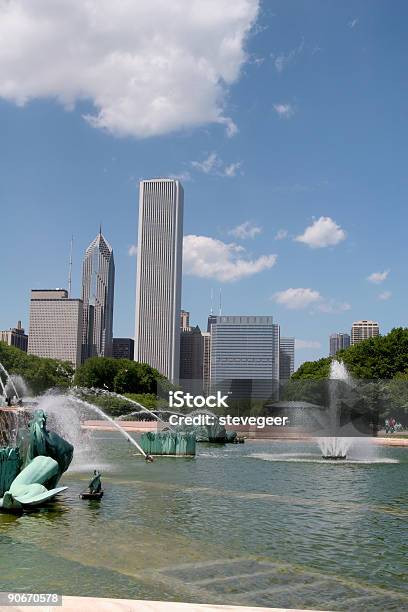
(38, 373)
(120, 375)
(381, 358)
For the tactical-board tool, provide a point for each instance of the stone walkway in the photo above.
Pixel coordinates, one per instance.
(93, 604)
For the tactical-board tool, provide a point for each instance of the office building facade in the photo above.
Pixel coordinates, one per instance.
(158, 281)
(55, 325)
(206, 362)
(123, 348)
(15, 336)
(184, 320)
(362, 330)
(286, 358)
(244, 356)
(191, 360)
(98, 286)
(338, 342)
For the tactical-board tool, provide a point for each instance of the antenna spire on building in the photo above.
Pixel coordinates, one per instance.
(220, 310)
(211, 300)
(70, 267)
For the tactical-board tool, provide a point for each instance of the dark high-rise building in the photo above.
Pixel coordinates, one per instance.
(206, 361)
(123, 348)
(15, 336)
(98, 280)
(338, 342)
(212, 318)
(286, 358)
(191, 356)
(184, 319)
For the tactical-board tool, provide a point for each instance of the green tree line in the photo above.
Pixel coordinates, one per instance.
(380, 366)
(119, 375)
(381, 358)
(38, 373)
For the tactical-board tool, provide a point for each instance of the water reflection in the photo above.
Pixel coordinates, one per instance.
(237, 528)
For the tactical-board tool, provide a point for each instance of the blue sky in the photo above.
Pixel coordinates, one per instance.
(286, 120)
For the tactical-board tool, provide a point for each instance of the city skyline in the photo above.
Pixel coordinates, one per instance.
(294, 154)
(292, 342)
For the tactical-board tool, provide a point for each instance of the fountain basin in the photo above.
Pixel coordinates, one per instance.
(334, 457)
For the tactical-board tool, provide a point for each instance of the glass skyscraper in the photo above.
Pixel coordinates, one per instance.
(286, 358)
(338, 342)
(98, 282)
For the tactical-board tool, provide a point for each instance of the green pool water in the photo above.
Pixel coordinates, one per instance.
(264, 523)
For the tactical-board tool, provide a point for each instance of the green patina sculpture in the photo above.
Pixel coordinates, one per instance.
(95, 486)
(30, 487)
(48, 456)
(10, 466)
(49, 444)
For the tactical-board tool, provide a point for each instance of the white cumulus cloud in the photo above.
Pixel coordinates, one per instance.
(385, 295)
(281, 234)
(210, 258)
(323, 232)
(284, 111)
(378, 277)
(213, 164)
(296, 299)
(245, 230)
(231, 170)
(147, 67)
(301, 297)
(333, 307)
(132, 250)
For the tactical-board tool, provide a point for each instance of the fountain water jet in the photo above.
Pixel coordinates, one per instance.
(335, 448)
(105, 416)
(59, 407)
(9, 382)
(142, 408)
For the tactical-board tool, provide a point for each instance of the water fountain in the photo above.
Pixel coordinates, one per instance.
(171, 441)
(8, 387)
(335, 448)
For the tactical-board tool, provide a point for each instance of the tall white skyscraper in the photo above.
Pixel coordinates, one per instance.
(98, 281)
(158, 282)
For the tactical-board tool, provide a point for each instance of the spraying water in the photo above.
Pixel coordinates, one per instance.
(336, 447)
(17, 384)
(9, 382)
(142, 408)
(103, 414)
